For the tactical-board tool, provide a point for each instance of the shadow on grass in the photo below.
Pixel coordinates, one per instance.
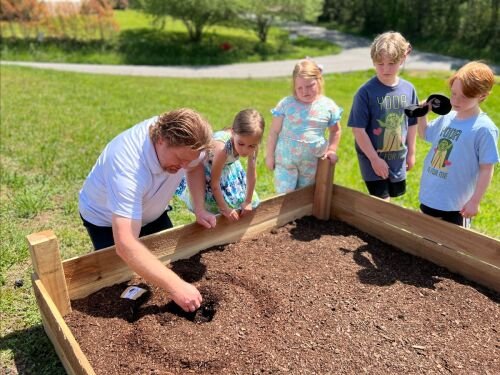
(53, 46)
(145, 47)
(157, 47)
(32, 351)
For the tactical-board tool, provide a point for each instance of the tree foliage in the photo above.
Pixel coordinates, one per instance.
(195, 14)
(469, 24)
(262, 14)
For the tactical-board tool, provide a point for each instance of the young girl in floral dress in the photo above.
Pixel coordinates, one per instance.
(229, 190)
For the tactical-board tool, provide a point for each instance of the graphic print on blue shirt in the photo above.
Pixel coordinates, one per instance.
(440, 160)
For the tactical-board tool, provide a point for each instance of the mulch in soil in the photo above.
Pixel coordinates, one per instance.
(311, 297)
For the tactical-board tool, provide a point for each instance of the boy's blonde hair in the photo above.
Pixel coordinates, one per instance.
(248, 122)
(476, 77)
(308, 69)
(182, 127)
(391, 44)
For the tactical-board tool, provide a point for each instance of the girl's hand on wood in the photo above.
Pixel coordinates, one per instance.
(246, 208)
(332, 156)
(230, 213)
(206, 219)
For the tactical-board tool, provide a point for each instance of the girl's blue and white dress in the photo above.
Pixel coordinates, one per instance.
(233, 181)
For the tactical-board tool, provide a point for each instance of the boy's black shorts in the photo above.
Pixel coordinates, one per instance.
(453, 217)
(385, 188)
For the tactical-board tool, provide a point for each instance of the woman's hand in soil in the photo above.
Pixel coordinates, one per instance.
(187, 296)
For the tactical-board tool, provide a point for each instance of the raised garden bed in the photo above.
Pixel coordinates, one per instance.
(308, 297)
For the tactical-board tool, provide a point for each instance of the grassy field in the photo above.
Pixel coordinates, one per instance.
(53, 127)
(138, 43)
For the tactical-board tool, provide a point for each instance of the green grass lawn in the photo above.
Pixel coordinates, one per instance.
(138, 43)
(55, 124)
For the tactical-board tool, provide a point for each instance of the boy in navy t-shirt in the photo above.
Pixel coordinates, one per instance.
(385, 137)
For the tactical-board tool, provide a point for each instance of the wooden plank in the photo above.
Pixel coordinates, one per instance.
(472, 243)
(73, 359)
(89, 273)
(46, 261)
(323, 190)
(346, 208)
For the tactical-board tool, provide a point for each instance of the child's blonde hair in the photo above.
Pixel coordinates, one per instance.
(391, 44)
(248, 122)
(182, 127)
(308, 69)
(476, 77)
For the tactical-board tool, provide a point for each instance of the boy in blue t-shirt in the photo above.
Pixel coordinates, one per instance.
(385, 137)
(459, 166)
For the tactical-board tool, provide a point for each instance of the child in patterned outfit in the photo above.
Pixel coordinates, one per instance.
(385, 137)
(297, 136)
(228, 188)
(459, 166)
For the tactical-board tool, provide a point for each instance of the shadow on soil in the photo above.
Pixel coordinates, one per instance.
(32, 351)
(383, 264)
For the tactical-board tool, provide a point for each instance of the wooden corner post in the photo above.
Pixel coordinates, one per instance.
(44, 250)
(323, 190)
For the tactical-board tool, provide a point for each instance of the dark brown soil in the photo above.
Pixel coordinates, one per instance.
(309, 298)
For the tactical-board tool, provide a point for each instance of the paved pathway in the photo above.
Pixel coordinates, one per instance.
(354, 56)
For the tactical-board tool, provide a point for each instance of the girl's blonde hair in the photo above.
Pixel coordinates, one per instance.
(248, 122)
(391, 44)
(308, 69)
(476, 77)
(182, 127)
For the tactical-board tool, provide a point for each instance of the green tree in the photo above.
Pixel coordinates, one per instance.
(195, 14)
(260, 15)
(465, 28)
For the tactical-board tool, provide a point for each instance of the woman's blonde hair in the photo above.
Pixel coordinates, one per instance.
(391, 44)
(248, 122)
(182, 127)
(476, 77)
(308, 69)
